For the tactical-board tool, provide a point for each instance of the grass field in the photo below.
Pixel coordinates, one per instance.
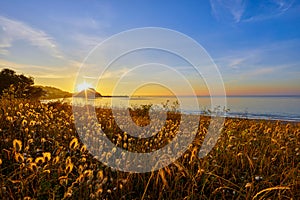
(43, 158)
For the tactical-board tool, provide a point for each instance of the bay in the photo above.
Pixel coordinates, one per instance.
(254, 107)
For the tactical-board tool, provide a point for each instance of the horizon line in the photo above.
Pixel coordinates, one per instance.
(242, 95)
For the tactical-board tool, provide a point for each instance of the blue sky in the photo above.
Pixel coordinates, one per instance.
(255, 44)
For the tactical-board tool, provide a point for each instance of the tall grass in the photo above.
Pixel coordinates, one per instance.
(43, 158)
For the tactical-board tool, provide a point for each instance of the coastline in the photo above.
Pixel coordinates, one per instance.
(237, 107)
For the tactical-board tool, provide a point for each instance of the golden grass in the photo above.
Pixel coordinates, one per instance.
(43, 158)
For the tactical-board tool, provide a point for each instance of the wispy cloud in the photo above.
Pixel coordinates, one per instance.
(14, 30)
(259, 72)
(86, 42)
(275, 61)
(90, 74)
(117, 73)
(265, 12)
(283, 5)
(236, 63)
(38, 71)
(280, 52)
(247, 11)
(223, 8)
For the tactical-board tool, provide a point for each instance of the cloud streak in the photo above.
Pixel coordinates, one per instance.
(275, 9)
(13, 30)
(247, 11)
(44, 71)
(234, 8)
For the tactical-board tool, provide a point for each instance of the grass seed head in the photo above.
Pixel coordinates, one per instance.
(47, 156)
(100, 175)
(69, 168)
(83, 149)
(39, 160)
(73, 144)
(56, 160)
(17, 145)
(19, 157)
(33, 167)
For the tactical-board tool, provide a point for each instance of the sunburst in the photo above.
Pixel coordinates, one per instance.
(84, 86)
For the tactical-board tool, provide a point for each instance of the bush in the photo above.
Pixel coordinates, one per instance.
(13, 85)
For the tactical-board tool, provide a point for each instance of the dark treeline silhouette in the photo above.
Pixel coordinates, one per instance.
(13, 85)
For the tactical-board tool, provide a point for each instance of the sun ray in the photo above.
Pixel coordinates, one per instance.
(83, 86)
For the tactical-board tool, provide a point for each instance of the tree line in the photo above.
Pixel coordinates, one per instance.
(14, 85)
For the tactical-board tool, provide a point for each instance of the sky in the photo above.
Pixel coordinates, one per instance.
(254, 44)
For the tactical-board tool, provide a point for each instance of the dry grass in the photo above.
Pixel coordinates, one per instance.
(43, 158)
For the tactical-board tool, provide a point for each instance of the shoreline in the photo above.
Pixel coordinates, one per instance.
(229, 117)
(244, 107)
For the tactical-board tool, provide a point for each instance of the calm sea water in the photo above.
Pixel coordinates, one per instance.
(257, 107)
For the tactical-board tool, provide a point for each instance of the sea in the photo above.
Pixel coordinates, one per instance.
(252, 107)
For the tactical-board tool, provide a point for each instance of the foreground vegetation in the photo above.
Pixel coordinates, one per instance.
(15, 85)
(43, 158)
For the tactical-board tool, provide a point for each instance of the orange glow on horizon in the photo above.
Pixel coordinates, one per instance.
(106, 87)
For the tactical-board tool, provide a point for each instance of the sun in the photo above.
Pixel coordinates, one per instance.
(84, 86)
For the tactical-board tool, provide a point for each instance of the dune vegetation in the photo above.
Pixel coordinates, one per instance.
(42, 157)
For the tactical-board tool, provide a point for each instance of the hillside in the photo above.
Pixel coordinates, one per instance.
(88, 93)
(54, 93)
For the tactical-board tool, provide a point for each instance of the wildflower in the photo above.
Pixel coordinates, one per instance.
(20, 105)
(47, 156)
(68, 160)
(83, 149)
(99, 191)
(10, 119)
(24, 122)
(69, 168)
(63, 180)
(56, 160)
(88, 173)
(17, 144)
(248, 185)
(30, 141)
(32, 123)
(29, 160)
(33, 167)
(80, 169)
(80, 178)
(100, 175)
(39, 160)
(73, 143)
(19, 157)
